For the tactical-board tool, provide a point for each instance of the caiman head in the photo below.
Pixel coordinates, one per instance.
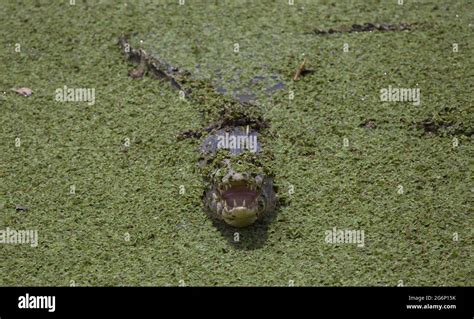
(240, 198)
(240, 190)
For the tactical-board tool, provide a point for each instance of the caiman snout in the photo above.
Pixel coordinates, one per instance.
(240, 217)
(240, 199)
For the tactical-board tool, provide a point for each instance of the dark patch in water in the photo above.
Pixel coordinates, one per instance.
(256, 79)
(244, 95)
(366, 27)
(221, 90)
(276, 87)
(245, 98)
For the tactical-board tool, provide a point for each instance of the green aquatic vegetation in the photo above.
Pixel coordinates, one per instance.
(341, 157)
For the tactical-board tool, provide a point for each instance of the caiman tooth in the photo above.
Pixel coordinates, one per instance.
(243, 203)
(235, 203)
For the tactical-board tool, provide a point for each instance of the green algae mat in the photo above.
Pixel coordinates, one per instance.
(371, 141)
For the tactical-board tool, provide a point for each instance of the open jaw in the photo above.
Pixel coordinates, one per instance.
(240, 195)
(239, 199)
(240, 202)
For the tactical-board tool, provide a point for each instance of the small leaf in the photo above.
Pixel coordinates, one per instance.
(23, 91)
(21, 208)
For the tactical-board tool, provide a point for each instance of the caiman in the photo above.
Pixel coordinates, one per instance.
(235, 162)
